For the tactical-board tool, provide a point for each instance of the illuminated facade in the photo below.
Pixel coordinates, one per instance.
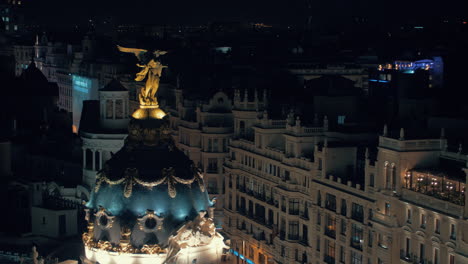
(299, 194)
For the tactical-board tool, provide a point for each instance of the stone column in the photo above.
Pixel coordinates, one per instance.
(100, 159)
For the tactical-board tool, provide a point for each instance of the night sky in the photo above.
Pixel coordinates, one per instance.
(273, 11)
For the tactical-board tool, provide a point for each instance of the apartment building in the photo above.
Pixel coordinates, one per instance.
(203, 130)
(297, 194)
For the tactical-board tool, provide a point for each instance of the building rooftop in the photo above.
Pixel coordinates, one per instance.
(114, 86)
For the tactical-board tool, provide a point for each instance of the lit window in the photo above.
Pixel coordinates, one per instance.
(341, 119)
(453, 234)
(423, 221)
(15, 27)
(387, 208)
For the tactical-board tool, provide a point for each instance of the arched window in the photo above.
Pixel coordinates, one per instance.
(394, 177)
(387, 175)
(242, 128)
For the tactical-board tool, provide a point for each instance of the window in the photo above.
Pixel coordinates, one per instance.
(294, 206)
(319, 219)
(319, 199)
(330, 202)
(341, 119)
(293, 230)
(317, 246)
(382, 241)
(225, 149)
(437, 226)
(408, 216)
(212, 165)
(216, 147)
(371, 180)
(343, 226)
(451, 259)
(436, 256)
(343, 207)
(453, 234)
(357, 236)
(342, 254)
(357, 212)
(422, 250)
(407, 248)
(423, 221)
(387, 208)
(356, 258)
(370, 239)
(329, 251)
(330, 226)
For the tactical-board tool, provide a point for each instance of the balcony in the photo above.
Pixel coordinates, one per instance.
(330, 232)
(406, 257)
(357, 244)
(293, 237)
(329, 259)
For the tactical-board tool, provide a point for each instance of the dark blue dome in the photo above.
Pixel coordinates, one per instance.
(150, 173)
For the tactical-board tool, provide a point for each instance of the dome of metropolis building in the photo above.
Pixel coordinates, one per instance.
(150, 204)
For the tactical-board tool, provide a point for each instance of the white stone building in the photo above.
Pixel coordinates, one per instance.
(308, 195)
(104, 128)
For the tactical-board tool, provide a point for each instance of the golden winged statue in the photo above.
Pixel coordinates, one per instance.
(152, 68)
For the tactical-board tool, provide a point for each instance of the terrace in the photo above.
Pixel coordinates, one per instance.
(437, 184)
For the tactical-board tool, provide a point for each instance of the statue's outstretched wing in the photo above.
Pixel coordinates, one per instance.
(158, 53)
(138, 52)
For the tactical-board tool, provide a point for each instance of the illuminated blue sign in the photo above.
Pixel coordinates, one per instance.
(81, 84)
(374, 80)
